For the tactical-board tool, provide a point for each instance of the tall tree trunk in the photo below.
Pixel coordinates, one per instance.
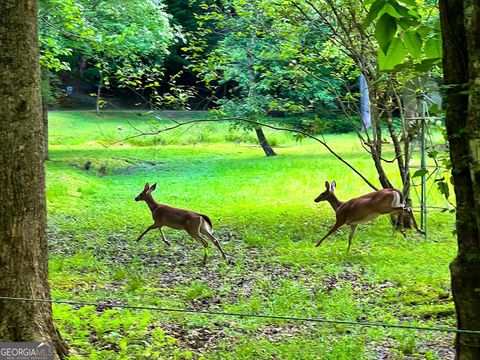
(407, 217)
(23, 238)
(45, 79)
(264, 142)
(376, 147)
(46, 155)
(82, 65)
(461, 62)
(99, 95)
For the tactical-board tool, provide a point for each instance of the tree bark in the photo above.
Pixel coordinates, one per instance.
(46, 155)
(461, 61)
(376, 146)
(99, 95)
(23, 238)
(45, 74)
(82, 65)
(264, 142)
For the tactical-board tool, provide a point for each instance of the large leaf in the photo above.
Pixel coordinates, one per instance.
(427, 64)
(420, 173)
(411, 3)
(402, 10)
(395, 55)
(442, 186)
(413, 43)
(433, 48)
(385, 31)
(375, 9)
(390, 10)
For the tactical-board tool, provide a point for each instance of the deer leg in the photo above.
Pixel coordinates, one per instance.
(163, 237)
(415, 225)
(205, 250)
(205, 246)
(195, 234)
(217, 244)
(151, 227)
(330, 232)
(204, 229)
(400, 221)
(353, 228)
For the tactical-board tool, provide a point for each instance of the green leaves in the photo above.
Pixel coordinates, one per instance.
(405, 39)
(395, 55)
(443, 187)
(385, 31)
(269, 57)
(442, 184)
(420, 173)
(413, 42)
(433, 48)
(375, 9)
(102, 31)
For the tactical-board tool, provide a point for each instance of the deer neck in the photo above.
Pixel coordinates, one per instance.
(151, 202)
(334, 202)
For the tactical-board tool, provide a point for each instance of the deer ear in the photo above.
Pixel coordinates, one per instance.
(333, 186)
(327, 185)
(154, 186)
(146, 187)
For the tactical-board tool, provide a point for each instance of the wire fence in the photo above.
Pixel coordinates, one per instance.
(244, 315)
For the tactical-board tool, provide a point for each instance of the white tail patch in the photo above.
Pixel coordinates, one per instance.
(201, 225)
(206, 225)
(397, 201)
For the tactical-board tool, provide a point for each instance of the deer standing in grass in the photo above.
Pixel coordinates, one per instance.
(193, 223)
(362, 209)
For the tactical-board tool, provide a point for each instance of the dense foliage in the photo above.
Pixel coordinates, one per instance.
(100, 41)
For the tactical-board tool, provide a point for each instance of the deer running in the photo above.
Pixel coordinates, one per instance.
(362, 209)
(193, 223)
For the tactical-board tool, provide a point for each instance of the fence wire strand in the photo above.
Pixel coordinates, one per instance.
(243, 315)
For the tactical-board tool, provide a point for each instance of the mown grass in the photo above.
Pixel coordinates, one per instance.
(263, 211)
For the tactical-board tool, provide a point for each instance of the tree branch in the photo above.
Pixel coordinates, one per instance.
(303, 133)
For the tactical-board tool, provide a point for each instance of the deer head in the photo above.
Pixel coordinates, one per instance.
(147, 190)
(328, 193)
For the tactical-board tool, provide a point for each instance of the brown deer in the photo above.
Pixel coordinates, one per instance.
(193, 223)
(363, 208)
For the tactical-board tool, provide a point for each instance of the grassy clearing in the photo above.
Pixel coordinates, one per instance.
(263, 211)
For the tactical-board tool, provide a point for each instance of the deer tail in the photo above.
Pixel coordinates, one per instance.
(398, 200)
(207, 219)
(401, 196)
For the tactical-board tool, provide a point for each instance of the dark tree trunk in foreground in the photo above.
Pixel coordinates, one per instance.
(461, 45)
(45, 78)
(45, 129)
(264, 142)
(23, 239)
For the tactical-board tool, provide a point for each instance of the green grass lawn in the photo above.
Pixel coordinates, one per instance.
(263, 211)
